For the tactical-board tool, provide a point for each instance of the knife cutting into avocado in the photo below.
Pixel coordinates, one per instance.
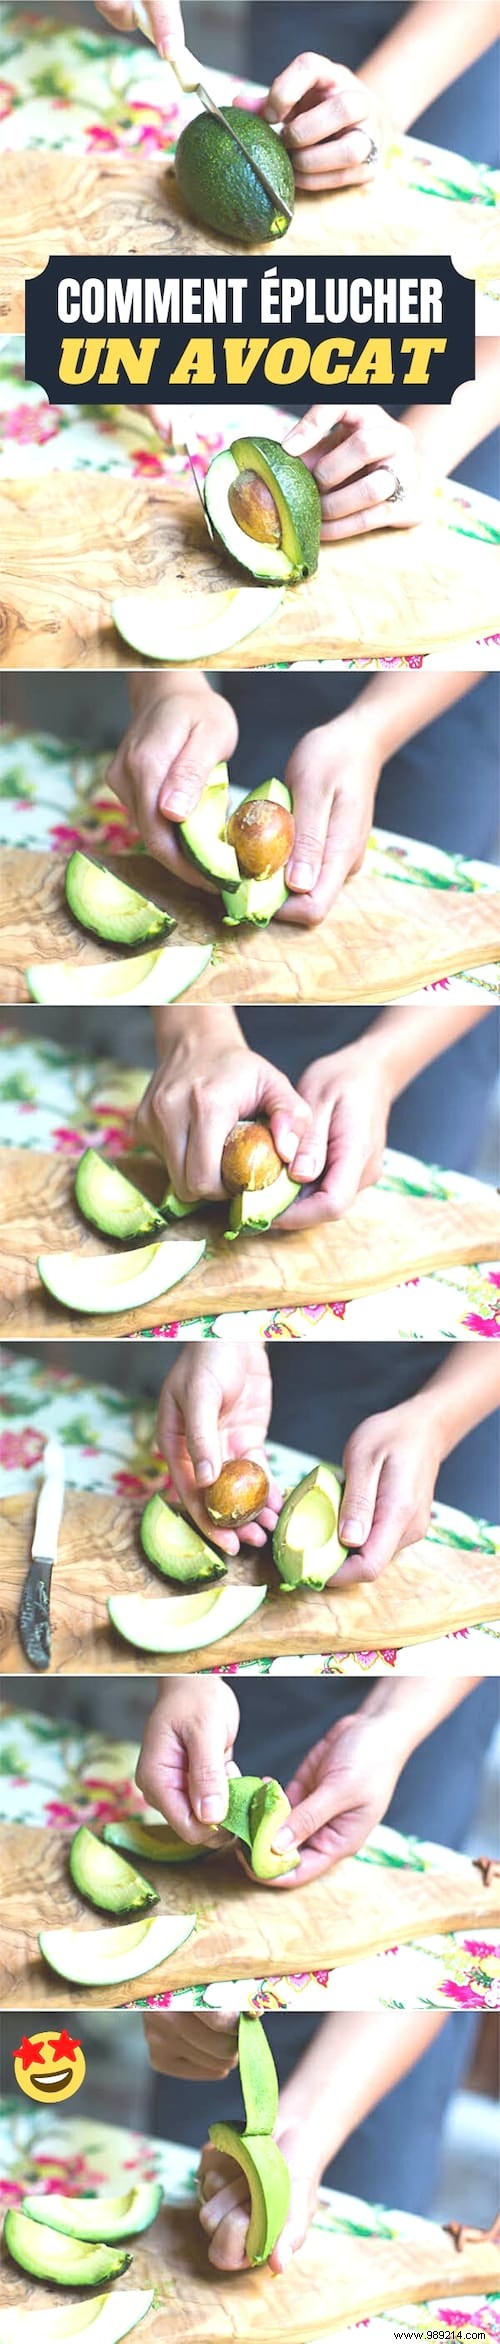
(231, 167)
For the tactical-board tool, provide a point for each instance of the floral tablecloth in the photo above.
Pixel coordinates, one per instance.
(54, 796)
(79, 2157)
(53, 1099)
(110, 1448)
(37, 438)
(59, 1776)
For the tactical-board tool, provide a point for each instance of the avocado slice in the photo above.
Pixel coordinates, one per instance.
(175, 1547)
(254, 2149)
(148, 979)
(219, 186)
(155, 1842)
(258, 2078)
(306, 1545)
(203, 832)
(255, 1812)
(296, 501)
(111, 1202)
(111, 1957)
(108, 907)
(185, 630)
(257, 900)
(114, 1282)
(94, 2219)
(105, 1879)
(257, 1208)
(69, 2262)
(105, 2320)
(184, 1623)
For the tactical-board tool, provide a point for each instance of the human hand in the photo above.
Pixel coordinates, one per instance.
(180, 729)
(195, 1098)
(329, 123)
(164, 18)
(340, 1792)
(391, 1465)
(199, 2045)
(366, 466)
(333, 775)
(349, 1098)
(187, 1754)
(216, 1403)
(225, 2200)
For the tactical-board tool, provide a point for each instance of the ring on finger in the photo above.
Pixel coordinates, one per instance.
(373, 155)
(399, 491)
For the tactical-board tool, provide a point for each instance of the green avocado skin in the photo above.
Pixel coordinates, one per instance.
(220, 189)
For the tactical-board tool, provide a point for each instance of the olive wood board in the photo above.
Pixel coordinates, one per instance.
(335, 2279)
(381, 939)
(384, 1238)
(426, 1592)
(131, 204)
(73, 540)
(244, 1929)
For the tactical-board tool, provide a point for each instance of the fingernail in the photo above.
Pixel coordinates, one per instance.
(174, 802)
(204, 1472)
(289, 1139)
(352, 1532)
(284, 1838)
(305, 1168)
(301, 876)
(212, 1810)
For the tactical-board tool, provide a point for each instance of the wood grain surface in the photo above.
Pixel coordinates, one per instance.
(72, 541)
(130, 204)
(426, 1592)
(381, 940)
(383, 1239)
(244, 1930)
(333, 2280)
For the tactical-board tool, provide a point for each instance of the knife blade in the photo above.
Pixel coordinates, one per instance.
(34, 1609)
(186, 69)
(199, 491)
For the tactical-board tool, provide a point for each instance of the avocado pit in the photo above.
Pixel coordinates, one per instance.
(253, 508)
(249, 1158)
(262, 835)
(236, 1497)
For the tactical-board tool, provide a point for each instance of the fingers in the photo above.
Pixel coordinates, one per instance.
(304, 436)
(309, 73)
(202, 1410)
(362, 1475)
(394, 1522)
(201, 2046)
(206, 1747)
(312, 125)
(334, 160)
(311, 813)
(206, 744)
(289, 1116)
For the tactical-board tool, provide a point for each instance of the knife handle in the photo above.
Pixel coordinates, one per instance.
(48, 1517)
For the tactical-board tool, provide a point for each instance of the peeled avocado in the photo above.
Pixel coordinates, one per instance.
(220, 188)
(108, 907)
(115, 1282)
(146, 979)
(112, 1957)
(69, 2262)
(203, 832)
(106, 2320)
(254, 2150)
(92, 2219)
(297, 501)
(104, 1877)
(257, 1208)
(306, 1545)
(184, 1623)
(175, 1547)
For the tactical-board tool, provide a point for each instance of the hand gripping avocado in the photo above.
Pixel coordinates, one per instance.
(306, 1545)
(245, 855)
(265, 509)
(256, 1811)
(175, 1547)
(255, 1178)
(254, 2149)
(220, 188)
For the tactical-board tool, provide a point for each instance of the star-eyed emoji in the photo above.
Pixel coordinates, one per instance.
(49, 2067)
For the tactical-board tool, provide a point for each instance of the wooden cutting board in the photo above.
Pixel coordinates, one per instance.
(426, 1592)
(383, 1239)
(72, 541)
(243, 1930)
(333, 2280)
(381, 940)
(130, 204)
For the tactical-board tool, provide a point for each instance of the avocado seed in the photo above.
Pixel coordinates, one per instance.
(249, 1158)
(238, 1494)
(262, 835)
(253, 508)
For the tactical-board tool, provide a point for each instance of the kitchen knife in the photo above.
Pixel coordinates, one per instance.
(186, 69)
(34, 1609)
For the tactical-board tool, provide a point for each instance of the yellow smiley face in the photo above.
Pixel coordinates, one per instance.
(49, 2067)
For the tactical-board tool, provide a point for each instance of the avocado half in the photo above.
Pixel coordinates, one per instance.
(108, 907)
(306, 1544)
(219, 185)
(297, 505)
(175, 1547)
(204, 836)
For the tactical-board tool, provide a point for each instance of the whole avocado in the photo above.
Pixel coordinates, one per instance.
(220, 188)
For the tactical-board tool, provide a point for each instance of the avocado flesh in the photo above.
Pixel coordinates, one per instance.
(69, 2262)
(306, 1545)
(269, 563)
(113, 1957)
(111, 1202)
(257, 900)
(257, 1208)
(155, 1842)
(295, 496)
(203, 832)
(218, 185)
(108, 907)
(148, 979)
(175, 1548)
(106, 2320)
(185, 1623)
(258, 2078)
(105, 1879)
(115, 1282)
(94, 2219)
(255, 1812)
(268, 2180)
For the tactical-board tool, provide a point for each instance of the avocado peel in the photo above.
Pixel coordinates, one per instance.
(219, 185)
(256, 1811)
(295, 497)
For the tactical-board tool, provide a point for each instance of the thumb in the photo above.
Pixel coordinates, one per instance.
(202, 1407)
(307, 1817)
(347, 1153)
(312, 1153)
(312, 427)
(311, 812)
(188, 772)
(206, 1750)
(289, 1116)
(358, 1502)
